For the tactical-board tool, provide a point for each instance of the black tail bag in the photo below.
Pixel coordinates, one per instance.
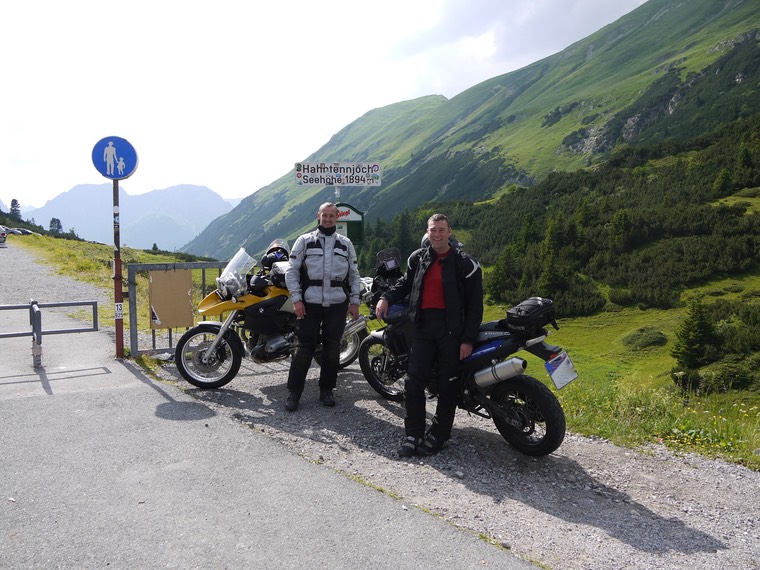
(529, 317)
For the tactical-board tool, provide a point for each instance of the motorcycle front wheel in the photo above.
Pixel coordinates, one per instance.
(542, 420)
(381, 369)
(349, 349)
(222, 366)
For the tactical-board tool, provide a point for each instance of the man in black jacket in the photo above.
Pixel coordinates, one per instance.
(445, 288)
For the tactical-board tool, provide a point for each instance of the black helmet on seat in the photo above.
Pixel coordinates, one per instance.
(259, 285)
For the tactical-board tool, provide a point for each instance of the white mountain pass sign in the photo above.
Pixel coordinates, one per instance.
(338, 174)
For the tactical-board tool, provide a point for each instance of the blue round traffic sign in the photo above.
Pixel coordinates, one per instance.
(114, 158)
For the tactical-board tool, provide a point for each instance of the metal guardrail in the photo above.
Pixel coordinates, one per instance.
(132, 270)
(35, 321)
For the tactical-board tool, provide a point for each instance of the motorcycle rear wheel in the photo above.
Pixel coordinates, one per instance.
(349, 349)
(543, 421)
(223, 365)
(381, 369)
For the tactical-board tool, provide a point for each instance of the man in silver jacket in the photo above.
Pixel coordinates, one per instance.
(324, 284)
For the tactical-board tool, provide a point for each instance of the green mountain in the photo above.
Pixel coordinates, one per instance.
(666, 72)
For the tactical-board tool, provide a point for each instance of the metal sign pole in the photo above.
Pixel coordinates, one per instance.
(116, 159)
(118, 292)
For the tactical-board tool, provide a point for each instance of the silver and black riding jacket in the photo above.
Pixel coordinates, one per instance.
(323, 270)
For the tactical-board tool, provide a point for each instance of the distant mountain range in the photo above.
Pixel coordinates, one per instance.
(168, 218)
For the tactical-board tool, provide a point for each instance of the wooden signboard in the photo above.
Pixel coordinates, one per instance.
(171, 299)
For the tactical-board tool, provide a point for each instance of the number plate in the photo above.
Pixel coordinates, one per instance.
(561, 370)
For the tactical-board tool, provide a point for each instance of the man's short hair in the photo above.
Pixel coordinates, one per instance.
(327, 205)
(438, 218)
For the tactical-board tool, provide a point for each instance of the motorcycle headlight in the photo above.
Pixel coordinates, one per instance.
(221, 290)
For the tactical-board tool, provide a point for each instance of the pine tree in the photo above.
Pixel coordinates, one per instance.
(696, 339)
(502, 278)
(15, 209)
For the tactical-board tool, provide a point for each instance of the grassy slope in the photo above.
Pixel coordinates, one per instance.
(608, 70)
(627, 395)
(387, 135)
(601, 74)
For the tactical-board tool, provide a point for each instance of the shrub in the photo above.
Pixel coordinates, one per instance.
(645, 337)
(687, 379)
(730, 373)
(612, 308)
(621, 296)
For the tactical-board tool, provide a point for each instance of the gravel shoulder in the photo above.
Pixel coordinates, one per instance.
(589, 505)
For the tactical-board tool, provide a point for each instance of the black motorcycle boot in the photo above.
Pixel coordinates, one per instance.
(434, 440)
(430, 446)
(327, 399)
(409, 447)
(291, 404)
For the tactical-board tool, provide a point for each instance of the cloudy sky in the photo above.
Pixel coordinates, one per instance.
(230, 94)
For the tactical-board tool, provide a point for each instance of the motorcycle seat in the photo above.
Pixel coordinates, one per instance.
(396, 318)
(492, 326)
(397, 313)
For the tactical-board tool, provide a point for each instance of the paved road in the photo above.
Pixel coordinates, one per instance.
(100, 466)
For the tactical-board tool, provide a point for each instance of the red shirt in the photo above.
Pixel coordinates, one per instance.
(432, 285)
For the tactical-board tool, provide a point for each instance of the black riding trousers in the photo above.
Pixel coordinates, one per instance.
(320, 324)
(433, 345)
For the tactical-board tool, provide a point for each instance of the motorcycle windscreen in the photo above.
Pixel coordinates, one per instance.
(232, 282)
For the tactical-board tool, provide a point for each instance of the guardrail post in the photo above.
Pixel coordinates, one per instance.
(35, 319)
(132, 297)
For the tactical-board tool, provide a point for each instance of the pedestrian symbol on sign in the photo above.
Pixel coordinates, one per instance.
(109, 157)
(114, 158)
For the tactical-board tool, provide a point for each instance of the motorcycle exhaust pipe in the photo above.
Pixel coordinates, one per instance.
(353, 327)
(500, 372)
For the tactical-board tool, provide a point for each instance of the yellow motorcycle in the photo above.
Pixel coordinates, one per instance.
(260, 322)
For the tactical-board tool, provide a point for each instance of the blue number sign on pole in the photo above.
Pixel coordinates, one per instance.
(114, 158)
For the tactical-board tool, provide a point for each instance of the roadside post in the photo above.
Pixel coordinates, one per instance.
(116, 159)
